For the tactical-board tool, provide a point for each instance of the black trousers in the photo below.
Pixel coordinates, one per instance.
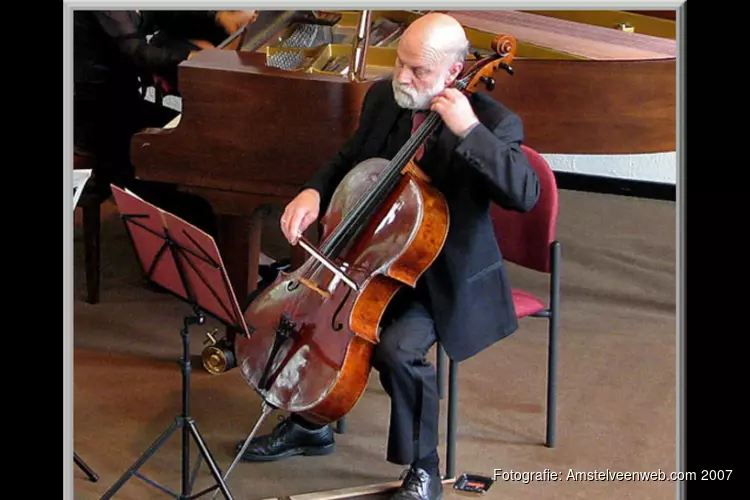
(408, 377)
(411, 382)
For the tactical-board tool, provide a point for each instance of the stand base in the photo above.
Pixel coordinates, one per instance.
(188, 425)
(189, 429)
(93, 476)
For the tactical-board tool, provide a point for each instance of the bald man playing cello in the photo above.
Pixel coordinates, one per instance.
(464, 299)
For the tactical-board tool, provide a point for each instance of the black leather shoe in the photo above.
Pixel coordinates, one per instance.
(288, 439)
(419, 485)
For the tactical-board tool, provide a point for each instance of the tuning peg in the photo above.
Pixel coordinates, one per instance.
(489, 82)
(507, 68)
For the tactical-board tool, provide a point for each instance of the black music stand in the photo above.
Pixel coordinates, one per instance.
(185, 261)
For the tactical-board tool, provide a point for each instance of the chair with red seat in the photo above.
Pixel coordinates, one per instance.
(527, 240)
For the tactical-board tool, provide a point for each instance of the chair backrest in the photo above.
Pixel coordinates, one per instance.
(525, 238)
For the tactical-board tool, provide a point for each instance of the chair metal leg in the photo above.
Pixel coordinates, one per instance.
(341, 425)
(554, 319)
(552, 383)
(92, 252)
(450, 454)
(440, 368)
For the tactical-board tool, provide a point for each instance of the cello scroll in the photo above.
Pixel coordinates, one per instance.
(481, 72)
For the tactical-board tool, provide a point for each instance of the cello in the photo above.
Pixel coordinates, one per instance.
(313, 330)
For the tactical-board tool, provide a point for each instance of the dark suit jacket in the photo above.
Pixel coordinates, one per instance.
(468, 285)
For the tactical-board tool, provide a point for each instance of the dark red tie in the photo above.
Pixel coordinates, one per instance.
(417, 120)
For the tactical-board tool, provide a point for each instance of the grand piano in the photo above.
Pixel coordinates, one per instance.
(262, 112)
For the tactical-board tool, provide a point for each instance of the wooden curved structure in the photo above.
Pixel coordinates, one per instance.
(607, 91)
(251, 133)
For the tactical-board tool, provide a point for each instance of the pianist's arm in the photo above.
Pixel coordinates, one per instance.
(202, 28)
(185, 26)
(130, 39)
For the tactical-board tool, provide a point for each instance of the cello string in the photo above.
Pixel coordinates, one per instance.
(351, 223)
(367, 198)
(400, 160)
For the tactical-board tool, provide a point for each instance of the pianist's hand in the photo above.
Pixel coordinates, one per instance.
(232, 20)
(299, 214)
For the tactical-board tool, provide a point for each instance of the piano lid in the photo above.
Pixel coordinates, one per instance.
(264, 114)
(361, 45)
(585, 40)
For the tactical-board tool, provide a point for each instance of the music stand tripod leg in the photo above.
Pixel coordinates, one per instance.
(133, 470)
(93, 476)
(186, 422)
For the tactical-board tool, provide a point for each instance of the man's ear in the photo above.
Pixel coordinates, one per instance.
(454, 71)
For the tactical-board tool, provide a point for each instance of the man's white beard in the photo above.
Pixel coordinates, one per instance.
(409, 98)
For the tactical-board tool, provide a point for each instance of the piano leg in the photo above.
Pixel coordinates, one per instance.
(239, 243)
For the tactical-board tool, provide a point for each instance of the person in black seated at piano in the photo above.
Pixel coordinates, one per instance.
(193, 30)
(196, 29)
(464, 299)
(111, 57)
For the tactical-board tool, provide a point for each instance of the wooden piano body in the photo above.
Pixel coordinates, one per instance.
(251, 134)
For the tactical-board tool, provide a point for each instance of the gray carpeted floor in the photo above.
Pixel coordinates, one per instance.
(616, 393)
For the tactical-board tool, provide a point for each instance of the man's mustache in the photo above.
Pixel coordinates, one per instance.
(411, 92)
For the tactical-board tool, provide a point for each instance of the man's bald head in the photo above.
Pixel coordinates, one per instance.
(438, 35)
